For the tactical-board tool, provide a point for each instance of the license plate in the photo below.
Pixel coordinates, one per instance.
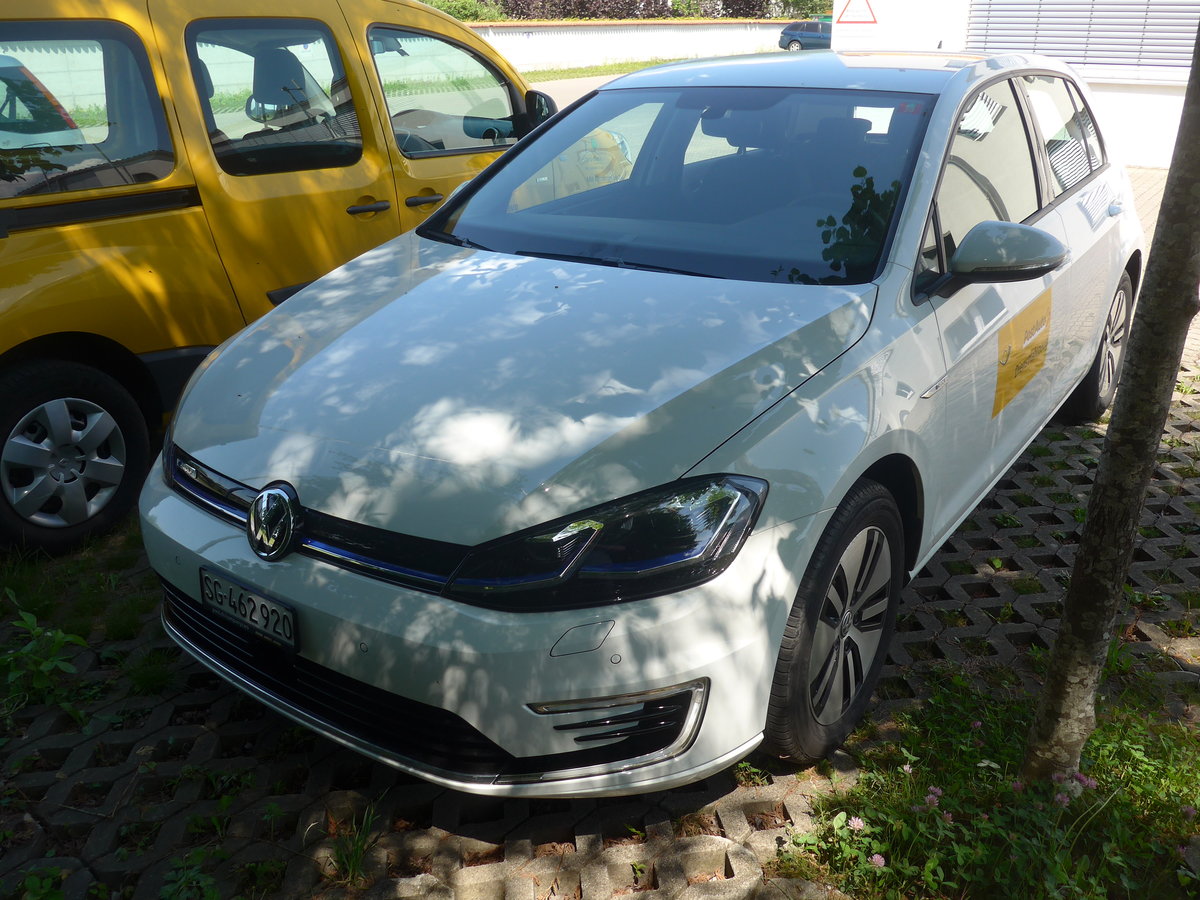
(267, 618)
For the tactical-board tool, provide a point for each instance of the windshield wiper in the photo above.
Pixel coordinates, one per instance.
(615, 263)
(446, 238)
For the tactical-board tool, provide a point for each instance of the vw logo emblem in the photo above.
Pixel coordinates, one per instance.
(274, 518)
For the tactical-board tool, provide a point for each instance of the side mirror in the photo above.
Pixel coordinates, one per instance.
(995, 252)
(539, 107)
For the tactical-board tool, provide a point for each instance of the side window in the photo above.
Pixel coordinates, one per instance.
(1066, 129)
(78, 109)
(440, 97)
(274, 95)
(929, 266)
(1087, 127)
(989, 173)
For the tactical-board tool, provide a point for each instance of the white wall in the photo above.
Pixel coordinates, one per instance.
(530, 47)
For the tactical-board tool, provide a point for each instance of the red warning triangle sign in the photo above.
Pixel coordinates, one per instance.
(858, 12)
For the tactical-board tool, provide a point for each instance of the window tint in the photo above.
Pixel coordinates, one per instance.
(758, 184)
(989, 173)
(78, 109)
(440, 97)
(274, 95)
(1064, 129)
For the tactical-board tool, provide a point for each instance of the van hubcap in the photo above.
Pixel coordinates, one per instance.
(62, 463)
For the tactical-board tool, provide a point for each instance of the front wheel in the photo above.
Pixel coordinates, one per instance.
(1095, 393)
(837, 633)
(75, 449)
(794, 46)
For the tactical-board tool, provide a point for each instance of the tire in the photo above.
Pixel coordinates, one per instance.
(1095, 393)
(837, 633)
(793, 46)
(75, 449)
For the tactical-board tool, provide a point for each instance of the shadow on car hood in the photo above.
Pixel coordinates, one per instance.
(461, 395)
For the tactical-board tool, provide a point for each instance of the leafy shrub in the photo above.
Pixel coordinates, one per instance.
(33, 671)
(636, 9)
(469, 10)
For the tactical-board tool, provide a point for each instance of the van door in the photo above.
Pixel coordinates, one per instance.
(290, 160)
(113, 290)
(452, 105)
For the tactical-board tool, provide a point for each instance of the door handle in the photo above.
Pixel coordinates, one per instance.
(423, 199)
(378, 206)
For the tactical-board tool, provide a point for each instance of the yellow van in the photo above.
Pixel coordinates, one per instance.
(171, 171)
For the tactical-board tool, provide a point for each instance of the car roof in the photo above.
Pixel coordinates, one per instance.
(925, 73)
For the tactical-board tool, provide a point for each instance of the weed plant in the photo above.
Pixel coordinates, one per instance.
(941, 811)
(33, 670)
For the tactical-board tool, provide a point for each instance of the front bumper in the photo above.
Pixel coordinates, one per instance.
(477, 699)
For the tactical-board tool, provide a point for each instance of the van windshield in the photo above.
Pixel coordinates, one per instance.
(757, 184)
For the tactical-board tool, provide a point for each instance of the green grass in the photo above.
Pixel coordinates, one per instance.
(617, 68)
(940, 812)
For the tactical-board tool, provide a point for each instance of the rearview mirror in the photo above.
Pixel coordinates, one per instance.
(994, 252)
(539, 107)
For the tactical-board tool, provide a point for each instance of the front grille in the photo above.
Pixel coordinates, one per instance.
(405, 730)
(404, 559)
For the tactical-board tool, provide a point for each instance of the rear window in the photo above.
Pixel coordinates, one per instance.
(758, 184)
(78, 109)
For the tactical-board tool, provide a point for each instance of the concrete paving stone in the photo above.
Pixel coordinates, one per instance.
(27, 841)
(424, 886)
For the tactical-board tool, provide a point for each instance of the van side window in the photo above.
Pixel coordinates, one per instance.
(274, 95)
(78, 109)
(440, 97)
(1067, 131)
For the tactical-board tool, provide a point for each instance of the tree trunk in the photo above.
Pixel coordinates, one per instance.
(1066, 712)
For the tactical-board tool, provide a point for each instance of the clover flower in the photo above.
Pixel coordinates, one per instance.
(1062, 799)
(856, 824)
(878, 861)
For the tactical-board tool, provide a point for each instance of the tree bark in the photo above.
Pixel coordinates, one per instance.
(1066, 712)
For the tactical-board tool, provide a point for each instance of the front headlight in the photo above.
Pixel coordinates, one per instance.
(652, 543)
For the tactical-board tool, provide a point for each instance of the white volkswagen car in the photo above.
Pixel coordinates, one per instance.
(614, 469)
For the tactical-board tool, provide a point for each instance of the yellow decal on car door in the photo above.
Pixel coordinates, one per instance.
(1021, 350)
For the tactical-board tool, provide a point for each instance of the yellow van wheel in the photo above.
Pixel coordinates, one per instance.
(75, 449)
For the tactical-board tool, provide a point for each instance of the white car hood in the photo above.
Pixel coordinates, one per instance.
(461, 395)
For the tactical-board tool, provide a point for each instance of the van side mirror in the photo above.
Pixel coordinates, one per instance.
(539, 107)
(995, 252)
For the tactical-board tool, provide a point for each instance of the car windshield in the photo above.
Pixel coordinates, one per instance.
(757, 184)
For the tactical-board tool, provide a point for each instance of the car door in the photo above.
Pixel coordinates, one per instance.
(450, 105)
(1086, 195)
(290, 159)
(997, 339)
